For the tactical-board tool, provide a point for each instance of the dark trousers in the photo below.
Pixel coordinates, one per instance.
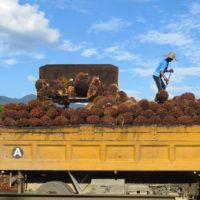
(159, 83)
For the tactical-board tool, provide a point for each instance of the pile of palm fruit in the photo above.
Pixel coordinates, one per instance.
(62, 90)
(112, 107)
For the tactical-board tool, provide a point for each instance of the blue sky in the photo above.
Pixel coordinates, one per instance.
(131, 34)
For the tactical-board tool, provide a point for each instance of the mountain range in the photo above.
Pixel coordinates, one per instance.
(25, 99)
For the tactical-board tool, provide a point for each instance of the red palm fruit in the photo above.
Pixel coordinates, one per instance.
(168, 105)
(93, 119)
(169, 120)
(39, 84)
(110, 111)
(22, 114)
(35, 122)
(131, 101)
(124, 118)
(136, 110)
(75, 119)
(154, 106)
(144, 104)
(148, 113)
(154, 120)
(162, 96)
(190, 111)
(43, 94)
(59, 90)
(71, 91)
(181, 103)
(48, 104)
(93, 87)
(122, 96)
(67, 112)
(22, 122)
(9, 122)
(21, 106)
(9, 114)
(34, 103)
(63, 81)
(89, 106)
(46, 121)
(83, 113)
(140, 120)
(188, 96)
(37, 112)
(185, 120)
(123, 108)
(10, 106)
(113, 89)
(59, 110)
(60, 121)
(101, 90)
(194, 104)
(161, 112)
(52, 112)
(106, 102)
(176, 112)
(196, 119)
(97, 111)
(108, 120)
(98, 99)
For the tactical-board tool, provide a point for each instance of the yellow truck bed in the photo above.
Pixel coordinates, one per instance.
(88, 147)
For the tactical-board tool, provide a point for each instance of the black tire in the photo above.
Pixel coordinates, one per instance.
(54, 187)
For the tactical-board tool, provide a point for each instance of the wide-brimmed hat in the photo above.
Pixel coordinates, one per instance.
(171, 55)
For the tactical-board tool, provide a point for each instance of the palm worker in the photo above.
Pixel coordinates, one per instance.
(161, 69)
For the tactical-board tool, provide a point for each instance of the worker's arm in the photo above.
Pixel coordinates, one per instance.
(163, 75)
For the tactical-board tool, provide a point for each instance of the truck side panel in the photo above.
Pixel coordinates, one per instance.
(86, 147)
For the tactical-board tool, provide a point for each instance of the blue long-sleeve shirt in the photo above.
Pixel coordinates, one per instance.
(161, 67)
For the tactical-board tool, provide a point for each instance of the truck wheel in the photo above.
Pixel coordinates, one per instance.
(54, 187)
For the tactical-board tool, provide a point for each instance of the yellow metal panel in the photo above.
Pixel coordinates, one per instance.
(118, 152)
(88, 147)
(187, 152)
(85, 152)
(51, 152)
(154, 153)
(7, 152)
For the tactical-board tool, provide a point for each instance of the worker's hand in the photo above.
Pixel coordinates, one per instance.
(171, 70)
(166, 81)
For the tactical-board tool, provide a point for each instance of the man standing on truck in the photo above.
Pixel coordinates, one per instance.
(160, 71)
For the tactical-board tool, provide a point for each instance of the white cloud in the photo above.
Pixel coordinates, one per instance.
(144, 72)
(24, 27)
(181, 32)
(69, 46)
(119, 54)
(124, 56)
(188, 71)
(114, 24)
(31, 78)
(141, 20)
(111, 49)
(89, 52)
(39, 56)
(194, 8)
(10, 61)
(175, 39)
